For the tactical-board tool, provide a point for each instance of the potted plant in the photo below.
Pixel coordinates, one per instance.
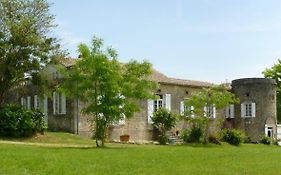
(124, 137)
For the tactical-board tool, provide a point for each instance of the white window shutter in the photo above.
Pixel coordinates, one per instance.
(214, 112)
(122, 121)
(22, 102)
(182, 108)
(36, 102)
(28, 102)
(192, 111)
(168, 102)
(149, 110)
(45, 104)
(243, 111)
(205, 111)
(54, 102)
(63, 104)
(253, 109)
(232, 111)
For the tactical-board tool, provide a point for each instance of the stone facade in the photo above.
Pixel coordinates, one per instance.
(260, 91)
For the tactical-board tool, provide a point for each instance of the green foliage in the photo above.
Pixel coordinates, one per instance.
(163, 121)
(192, 135)
(215, 96)
(18, 122)
(232, 136)
(265, 140)
(275, 73)
(213, 138)
(109, 89)
(25, 43)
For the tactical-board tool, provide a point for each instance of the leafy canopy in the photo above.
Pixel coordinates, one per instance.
(25, 44)
(109, 89)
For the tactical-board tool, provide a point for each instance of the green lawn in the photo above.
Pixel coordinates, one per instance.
(145, 159)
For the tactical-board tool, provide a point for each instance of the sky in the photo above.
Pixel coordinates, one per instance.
(206, 40)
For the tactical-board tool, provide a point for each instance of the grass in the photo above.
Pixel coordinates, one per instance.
(139, 159)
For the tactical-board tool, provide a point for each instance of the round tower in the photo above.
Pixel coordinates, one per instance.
(256, 113)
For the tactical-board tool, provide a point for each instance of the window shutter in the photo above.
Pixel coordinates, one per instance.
(36, 102)
(122, 121)
(54, 102)
(243, 110)
(22, 101)
(205, 111)
(63, 104)
(192, 111)
(231, 111)
(253, 109)
(182, 108)
(149, 110)
(45, 108)
(168, 102)
(28, 102)
(214, 112)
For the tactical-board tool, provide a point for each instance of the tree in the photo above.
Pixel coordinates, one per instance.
(275, 73)
(25, 46)
(204, 102)
(163, 121)
(109, 89)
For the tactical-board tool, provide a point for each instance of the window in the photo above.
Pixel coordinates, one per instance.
(154, 105)
(210, 111)
(248, 110)
(158, 103)
(25, 102)
(229, 111)
(59, 103)
(186, 110)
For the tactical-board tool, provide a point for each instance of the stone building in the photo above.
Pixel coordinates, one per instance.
(256, 114)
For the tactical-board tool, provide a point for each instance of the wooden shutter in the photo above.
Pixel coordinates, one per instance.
(122, 121)
(182, 108)
(192, 111)
(168, 102)
(45, 108)
(22, 102)
(63, 104)
(214, 111)
(243, 111)
(231, 108)
(253, 109)
(205, 111)
(149, 110)
(28, 102)
(54, 102)
(36, 106)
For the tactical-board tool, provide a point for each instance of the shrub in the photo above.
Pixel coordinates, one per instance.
(265, 140)
(232, 136)
(192, 135)
(18, 122)
(214, 139)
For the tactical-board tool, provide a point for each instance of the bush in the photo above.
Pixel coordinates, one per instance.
(193, 135)
(265, 140)
(214, 139)
(232, 136)
(18, 122)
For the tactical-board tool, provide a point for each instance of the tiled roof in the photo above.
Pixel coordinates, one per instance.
(156, 76)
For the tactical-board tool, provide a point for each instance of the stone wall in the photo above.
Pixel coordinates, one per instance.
(262, 92)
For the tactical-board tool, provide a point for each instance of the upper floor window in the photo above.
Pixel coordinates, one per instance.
(164, 100)
(158, 103)
(248, 109)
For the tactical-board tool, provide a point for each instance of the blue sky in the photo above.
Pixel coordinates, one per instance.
(207, 40)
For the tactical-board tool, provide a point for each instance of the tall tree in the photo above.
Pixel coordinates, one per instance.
(275, 73)
(109, 89)
(205, 103)
(25, 46)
